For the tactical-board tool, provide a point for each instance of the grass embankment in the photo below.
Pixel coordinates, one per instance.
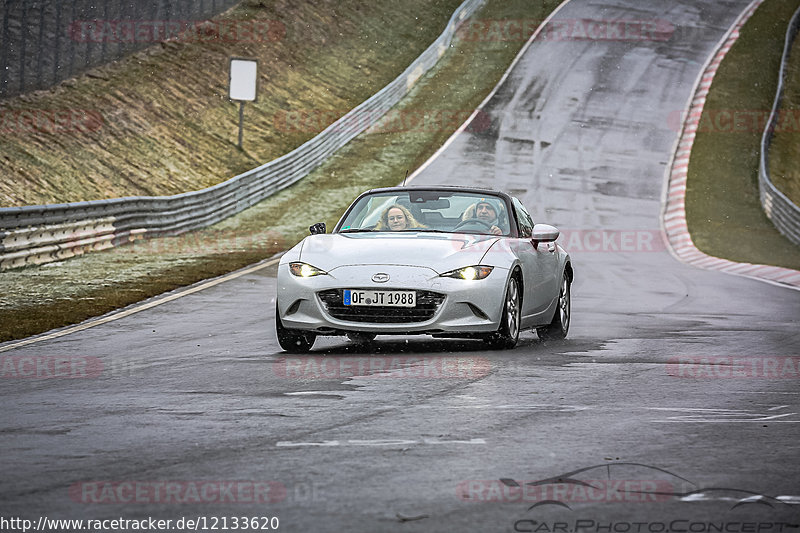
(160, 121)
(722, 201)
(784, 152)
(42, 298)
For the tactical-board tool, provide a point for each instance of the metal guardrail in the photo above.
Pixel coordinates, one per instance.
(39, 234)
(784, 214)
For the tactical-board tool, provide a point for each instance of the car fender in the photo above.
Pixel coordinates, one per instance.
(498, 254)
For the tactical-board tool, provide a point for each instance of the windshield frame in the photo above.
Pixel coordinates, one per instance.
(440, 192)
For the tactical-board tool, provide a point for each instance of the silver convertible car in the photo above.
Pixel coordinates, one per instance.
(442, 261)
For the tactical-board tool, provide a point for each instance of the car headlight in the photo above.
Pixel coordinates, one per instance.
(304, 270)
(469, 273)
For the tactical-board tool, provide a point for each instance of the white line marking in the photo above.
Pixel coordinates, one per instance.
(696, 409)
(760, 392)
(723, 421)
(710, 419)
(323, 443)
(705, 497)
(314, 393)
(378, 442)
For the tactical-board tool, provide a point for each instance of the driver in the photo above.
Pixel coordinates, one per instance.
(487, 210)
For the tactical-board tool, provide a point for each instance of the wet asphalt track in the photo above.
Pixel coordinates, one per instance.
(197, 390)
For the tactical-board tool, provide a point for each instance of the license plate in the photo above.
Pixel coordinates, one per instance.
(380, 298)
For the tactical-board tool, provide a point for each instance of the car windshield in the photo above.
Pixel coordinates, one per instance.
(434, 211)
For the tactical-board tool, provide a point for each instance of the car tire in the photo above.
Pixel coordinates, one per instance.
(507, 336)
(559, 327)
(361, 338)
(293, 341)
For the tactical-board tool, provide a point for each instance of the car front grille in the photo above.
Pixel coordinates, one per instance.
(427, 304)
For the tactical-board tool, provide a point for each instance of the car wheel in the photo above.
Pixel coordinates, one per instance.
(508, 334)
(361, 338)
(293, 341)
(558, 328)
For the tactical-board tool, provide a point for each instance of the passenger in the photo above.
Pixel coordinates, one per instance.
(397, 218)
(488, 211)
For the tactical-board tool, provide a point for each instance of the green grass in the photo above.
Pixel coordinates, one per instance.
(37, 299)
(784, 152)
(723, 210)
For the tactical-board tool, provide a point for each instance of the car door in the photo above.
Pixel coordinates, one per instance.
(539, 267)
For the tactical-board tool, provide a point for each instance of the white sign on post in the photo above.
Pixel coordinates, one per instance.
(243, 85)
(243, 79)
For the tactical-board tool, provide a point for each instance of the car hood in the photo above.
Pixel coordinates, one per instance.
(441, 252)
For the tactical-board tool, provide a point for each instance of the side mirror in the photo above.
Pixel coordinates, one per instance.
(317, 228)
(545, 233)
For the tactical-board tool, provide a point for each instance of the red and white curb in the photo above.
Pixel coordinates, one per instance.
(674, 214)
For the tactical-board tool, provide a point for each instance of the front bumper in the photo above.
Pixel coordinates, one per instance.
(465, 306)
